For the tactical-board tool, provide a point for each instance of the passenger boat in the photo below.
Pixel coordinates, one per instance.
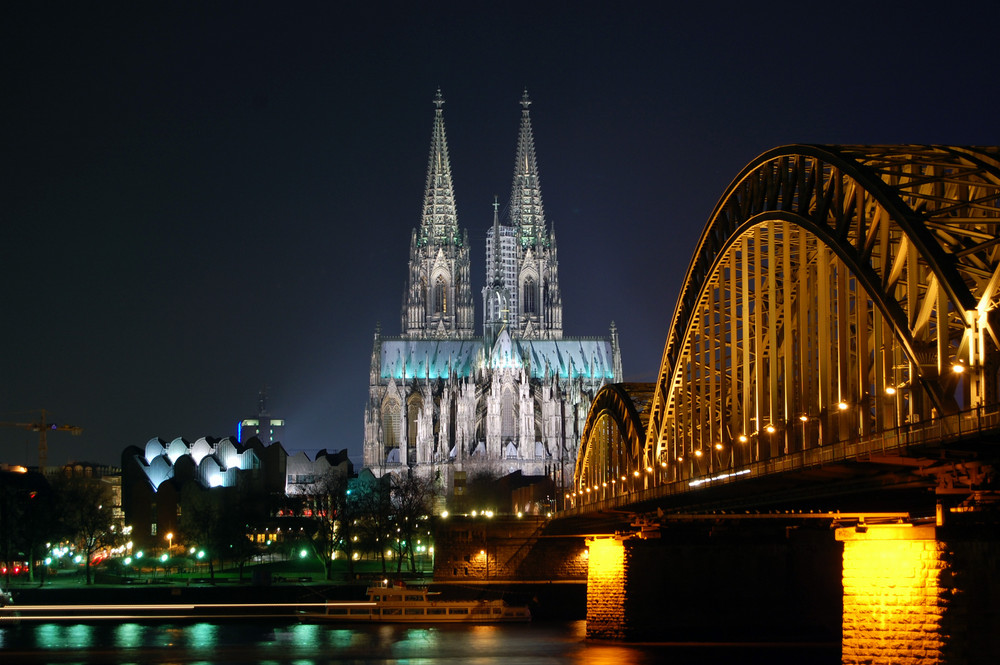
(398, 603)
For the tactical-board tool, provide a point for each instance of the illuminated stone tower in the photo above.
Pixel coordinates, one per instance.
(438, 299)
(501, 276)
(536, 300)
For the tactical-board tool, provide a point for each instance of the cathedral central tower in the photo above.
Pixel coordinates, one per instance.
(438, 298)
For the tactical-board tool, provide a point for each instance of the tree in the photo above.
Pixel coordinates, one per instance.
(242, 550)
(202, 521)
(28, 518)
(412, 501)
(327, 501)
(374, 512)
(85, 509)
(40, 524)
(219, 518)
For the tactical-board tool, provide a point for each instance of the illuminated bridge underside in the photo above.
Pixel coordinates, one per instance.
(837, 292)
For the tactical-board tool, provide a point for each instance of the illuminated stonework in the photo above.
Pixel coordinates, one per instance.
(606, 589)
(447, 404)
(895, 595)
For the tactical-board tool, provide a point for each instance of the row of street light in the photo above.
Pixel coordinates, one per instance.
(626, 483)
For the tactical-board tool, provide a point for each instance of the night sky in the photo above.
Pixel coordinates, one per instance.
(200, 200)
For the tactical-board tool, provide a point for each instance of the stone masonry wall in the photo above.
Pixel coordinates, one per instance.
(894, 599)
(921, 595)
(606, 618)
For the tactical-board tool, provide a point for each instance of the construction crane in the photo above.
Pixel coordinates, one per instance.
(43, 428)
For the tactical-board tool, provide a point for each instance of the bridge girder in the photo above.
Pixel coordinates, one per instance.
(615, 431)
(826, 278)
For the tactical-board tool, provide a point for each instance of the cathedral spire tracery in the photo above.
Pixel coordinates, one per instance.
(537, 301)
(526, 211)
(439, 224)
(438, 301)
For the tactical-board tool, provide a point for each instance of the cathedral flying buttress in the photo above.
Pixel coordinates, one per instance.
(448, 405)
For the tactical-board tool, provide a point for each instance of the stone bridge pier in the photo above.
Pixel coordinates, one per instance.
(899, 593)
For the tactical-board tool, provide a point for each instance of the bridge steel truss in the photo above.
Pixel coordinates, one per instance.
(836, 292)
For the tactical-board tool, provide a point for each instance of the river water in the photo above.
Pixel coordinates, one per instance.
(261, 643)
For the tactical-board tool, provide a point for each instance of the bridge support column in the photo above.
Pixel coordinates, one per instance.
(918, 594)
(606, 617)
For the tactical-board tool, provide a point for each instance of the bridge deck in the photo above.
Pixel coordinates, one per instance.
(914, 457)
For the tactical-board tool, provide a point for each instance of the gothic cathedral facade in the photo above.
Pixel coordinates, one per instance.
(447, 404)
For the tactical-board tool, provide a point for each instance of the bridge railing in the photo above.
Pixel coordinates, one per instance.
(894, 442)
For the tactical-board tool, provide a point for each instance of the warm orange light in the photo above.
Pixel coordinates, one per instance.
(718, 446)
(769, 429)
(890, 390)
(697, 453)
(743, 438)
(888, 567)
(804, 418)
(649, 469)
(606, 561)
(842, 406)
(958, 369)
(635, 473)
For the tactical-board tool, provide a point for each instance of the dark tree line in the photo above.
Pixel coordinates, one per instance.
(387, 515)
(34, 514)
(382, 517)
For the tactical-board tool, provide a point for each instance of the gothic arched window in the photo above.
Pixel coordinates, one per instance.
(508, 427)
(440, 296)
(529, 296)
(412, 415)
(390, 424)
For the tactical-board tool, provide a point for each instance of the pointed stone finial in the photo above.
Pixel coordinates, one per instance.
(525, 101)
(439, 100)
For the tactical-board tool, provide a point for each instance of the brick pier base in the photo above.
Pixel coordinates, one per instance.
(919, 595)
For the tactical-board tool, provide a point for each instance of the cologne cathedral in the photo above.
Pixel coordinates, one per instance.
(447, 404)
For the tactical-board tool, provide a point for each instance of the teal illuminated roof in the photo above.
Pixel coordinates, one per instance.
(590, 358)
(428, 358)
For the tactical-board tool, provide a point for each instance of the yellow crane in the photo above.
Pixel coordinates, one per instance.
(43, 428)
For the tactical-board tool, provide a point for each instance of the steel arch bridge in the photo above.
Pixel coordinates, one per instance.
(836, 293)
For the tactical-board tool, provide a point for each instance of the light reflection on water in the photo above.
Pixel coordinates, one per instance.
(311, 644)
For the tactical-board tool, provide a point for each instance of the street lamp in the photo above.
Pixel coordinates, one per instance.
(170, 540)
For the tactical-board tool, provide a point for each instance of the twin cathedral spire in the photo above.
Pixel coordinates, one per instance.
(522, 283)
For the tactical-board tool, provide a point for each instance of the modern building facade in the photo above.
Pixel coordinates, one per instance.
(447, 404)
(154, 476)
